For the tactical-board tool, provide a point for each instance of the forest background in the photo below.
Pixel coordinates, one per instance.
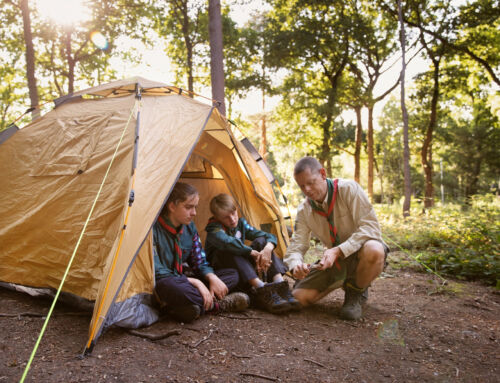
(332, 72)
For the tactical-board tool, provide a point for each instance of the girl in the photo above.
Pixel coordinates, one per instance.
(177, 249)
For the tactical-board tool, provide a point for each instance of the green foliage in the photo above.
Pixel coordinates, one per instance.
(184, 25)
(462, 241)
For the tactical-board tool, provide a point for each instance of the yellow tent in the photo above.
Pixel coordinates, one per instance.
(148, 135)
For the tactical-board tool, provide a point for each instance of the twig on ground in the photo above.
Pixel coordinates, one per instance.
(314, 362)
(25, 314)
(259, 376)
(241, 356)
(203, 339)
(42, 315)
(351, 324)
(154, 336)
(239, 317)
(476, 306)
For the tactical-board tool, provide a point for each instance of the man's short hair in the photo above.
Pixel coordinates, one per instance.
(307, 163)
(222, 202)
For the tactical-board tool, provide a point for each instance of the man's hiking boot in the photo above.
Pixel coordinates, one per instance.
(354, 298)
(186, 313)
(364, 296)
(234, 302)
(286, 294)
(267, 298)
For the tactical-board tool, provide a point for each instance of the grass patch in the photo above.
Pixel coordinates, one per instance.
(462, 241)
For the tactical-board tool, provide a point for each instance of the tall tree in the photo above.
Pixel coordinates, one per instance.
(373, 45)
(22, 7)
(406, 152)
(435, 16)
(355, 99)
(30, 58)
(67, 52)
(479, 44)
(216, 54)
(472, 129)
(185, 24)
(312, 38)
(246, 59)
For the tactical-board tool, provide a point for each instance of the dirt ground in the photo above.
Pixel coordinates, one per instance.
(414, 330)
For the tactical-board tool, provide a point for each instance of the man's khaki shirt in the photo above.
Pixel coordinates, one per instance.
(353, 216)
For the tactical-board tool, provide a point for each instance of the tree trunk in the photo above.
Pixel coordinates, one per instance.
(183, 9)
(357, 150)
(216, 54)
(30, 58)
(426, 154)
(325, 147)
(406, 150)
(71, 62)
(189, 53)
(263, 129)
(369, 144)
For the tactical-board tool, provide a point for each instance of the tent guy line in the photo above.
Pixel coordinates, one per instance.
(56, 297)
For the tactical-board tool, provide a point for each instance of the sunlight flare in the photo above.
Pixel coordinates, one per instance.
(99, 40)
(65, 12)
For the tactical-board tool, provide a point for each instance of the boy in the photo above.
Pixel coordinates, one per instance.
(226, 248)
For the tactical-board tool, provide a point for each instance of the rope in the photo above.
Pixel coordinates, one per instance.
(416, 259)
(28, 365)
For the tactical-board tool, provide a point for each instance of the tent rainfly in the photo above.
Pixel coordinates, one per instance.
(148, 135)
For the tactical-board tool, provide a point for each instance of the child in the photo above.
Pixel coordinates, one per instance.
(225, 246)
(176, 242)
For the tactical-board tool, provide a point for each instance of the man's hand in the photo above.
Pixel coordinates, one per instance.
(330, 257)
(301, 271)
(207, 296)
(217, 287)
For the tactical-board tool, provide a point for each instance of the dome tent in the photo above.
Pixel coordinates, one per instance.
(140, 137)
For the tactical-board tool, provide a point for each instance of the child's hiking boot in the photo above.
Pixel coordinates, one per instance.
(354, 298)
(286, 294)
(267, 298)
(234, 302)
(186, 313)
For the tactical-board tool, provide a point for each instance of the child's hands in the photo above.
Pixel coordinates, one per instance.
(265, 257)
(208, 298)
(217, 287)
(256, 255)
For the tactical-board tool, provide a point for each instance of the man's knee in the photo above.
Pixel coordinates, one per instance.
(305, 297)
(372, 253)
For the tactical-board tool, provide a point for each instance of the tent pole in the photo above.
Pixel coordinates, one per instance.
(90, 343)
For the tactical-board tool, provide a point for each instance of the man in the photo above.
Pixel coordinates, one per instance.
(339, 213)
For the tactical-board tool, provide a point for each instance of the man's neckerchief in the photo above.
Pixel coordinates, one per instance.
(169, 227)
(332, 196)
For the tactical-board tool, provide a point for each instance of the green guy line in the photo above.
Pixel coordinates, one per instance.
(74, 251)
